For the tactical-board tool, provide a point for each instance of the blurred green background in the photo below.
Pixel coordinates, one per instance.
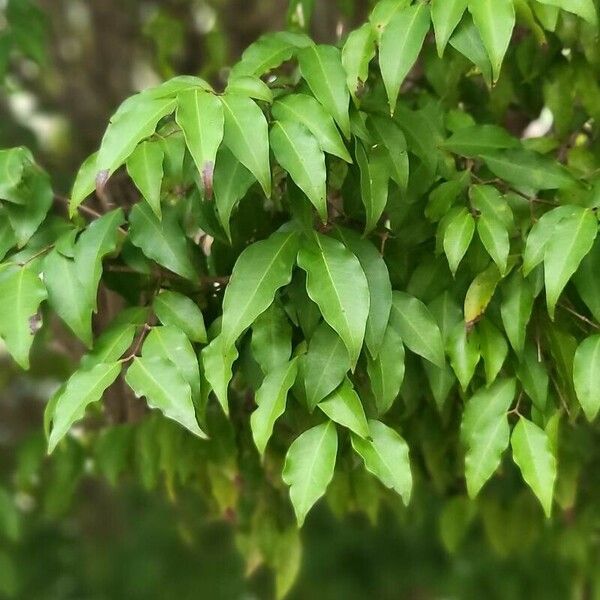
(79, 526)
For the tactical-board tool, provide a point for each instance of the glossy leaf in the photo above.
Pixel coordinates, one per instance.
(145, 167)
(457, 238)
(177, 310)
(446, 15)
(357, 53)
(272, 338)
(586, 367)
(343, 406)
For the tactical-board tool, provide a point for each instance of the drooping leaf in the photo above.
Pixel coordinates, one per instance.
(374, 177)
(485, 432)
(534, 456)
(494, 349)
(357, 53)
(321, 67)
(400, 45)
(446, 15)
(390, 136)
(145, 167)
(479, 139)
(494, 236)
(253, 87)
(480, 293)
(175, 309)
(246, 134)
(386, 456)
(165, 389)
(343, 406)
(516, 307)
(583, 8)
(83, 388)
(217, 363)
(534, 377)
(271, 399)
(261, 269)
(299, 153)
(457, 237)
(336, 282)
(272, 338)
(464, 352)
(585, 375)
(468, 42)
(309, 465)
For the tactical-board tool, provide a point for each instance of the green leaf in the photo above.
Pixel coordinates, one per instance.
(488, 201)
(165, 389)
(357, 53)
(583, 8)
(173, 345)
(495, 20)
(570, 241)
(82, 389)
(271, 398)
(457, 237)
(7, 236)
(534, 377)
(479, 139)
(528, 171)
(336, 282)
(66, 295)
(400, 45)
(272, 338)
(463, 350)
(343, 406)
(383, 12)
(494, 237)
(533, 455)
(587, 282)
(446, 15)
(386, 372)
(260, 270)
(389, 134)
(480, 293)
(145, 167)
(177, 310)
(325, 365)
(12, 165)
(417, 328)
(299, 153)
(485, 432)
(309, 465)
(540, 234)
(468, 42)
(386, 456)
(127, 128)
(494, 349)
(374, 177)
(246, 134)
(321, 67)
(163, 241)
(217, 362)
(21, 293)
(380, 287)
(231, 183)
(84, 184)
(200, 116)
(253, 87)
(586, 367)
(304, 109)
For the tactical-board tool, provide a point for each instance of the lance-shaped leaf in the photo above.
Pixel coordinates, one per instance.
(83, 388)
(587, 282)
(495, 20)
(217, 363)
(446, 15)
(400, 45)
(163, 241)
(253, 87)
(336, 282)
(493, 347)
(485, 432)
(357, 53)
(586, 367)
(343, 406)
(172, 344)
(325, 364)
(145, 167)
(489, 201)
(380, 286)
(571, 240)
(516, 307)
(304, 109)
(272, 338)
(387, 133)
(66, 296)
(128, 127)
(374, 177)
(84, 184)
(231, 183)
(260, 270)
(7, 236)
(464, 352)
(200, 116)
(246, 134)
(480, 293)
(386, 456)
(173, 308)
(383, 12)
(457, 237)
(583, 8)
(99, 239)
(468, 42)
(417, 327)
(271, 399)
(309, 465)
(321, 68)
(165, 389)
(533, 376)
(533, 454)
(479, 139)
(21, 293)
(299, 153)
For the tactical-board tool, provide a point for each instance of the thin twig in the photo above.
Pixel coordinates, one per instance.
(580, 316)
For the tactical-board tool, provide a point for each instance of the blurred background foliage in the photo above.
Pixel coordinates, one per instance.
(85, 525)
